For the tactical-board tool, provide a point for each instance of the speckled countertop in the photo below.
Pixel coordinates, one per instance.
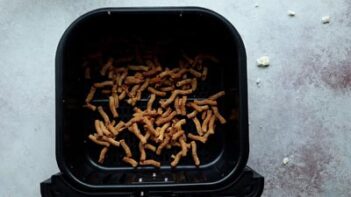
(300, 110)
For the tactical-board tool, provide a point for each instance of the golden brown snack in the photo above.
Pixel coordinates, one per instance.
(126, 148)
(142, 152)
(195, 73)
(206, 121)
(176, 159)
(90, 95)
(177, 106)
(194, 153)
(204, 73)
(144, 85)
(111, 74)
(115, 95)
(122, 77)
(112, 106)
(106, 91)
(162, 131)
(218, 115)
(150, 147)
(138, 118)
(104, 130)
(217, 95)
(150, 162)
(157, 92)
(155, 80)
(167, 112)
(90, 106)
(159, 111)
(130, 161)
(103, 84)
(147, 134)
(138, 95)
(183, 82)
(154, 70)
(120, 126)
(197, 138)
(122, 95)
(134, 90)
(135, 129)
(103, 154)
(165, 73)
(112, 129)
(110, 140)
(177, 134)
(205, 102)
(192, 114)
(185, 92)
(150, 127)
(174, 95)
(113, 123)
(99, 142)
(197, 107)
(132, 101)
(150, 102)
(198, 126)
(167, 89)
(183, 146)
(178, 74)
(98, 128)
(162, 145)
(106, 67)
(194, 84)
(138, 67)
(103, 115)
(168, 131)
(133, 80)
(162, 120)
(178, 125)
(182, 105)
(203, 115)
(211, 125)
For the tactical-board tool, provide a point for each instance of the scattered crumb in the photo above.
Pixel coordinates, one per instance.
(263, 61)
(258, 82)
(291, 13)
(325, 19)
(109, 12)
(256, 5)
(285, 160)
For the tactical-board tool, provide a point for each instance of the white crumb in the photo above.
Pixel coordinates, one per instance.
(263, 61)
(285, 160)
(258, 82)
(256, 5)
(291, 13)
(325, 19)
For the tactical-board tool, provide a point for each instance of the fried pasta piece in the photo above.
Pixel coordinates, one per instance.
(130, 161)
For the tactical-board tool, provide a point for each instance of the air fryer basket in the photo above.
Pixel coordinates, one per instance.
(110, 31)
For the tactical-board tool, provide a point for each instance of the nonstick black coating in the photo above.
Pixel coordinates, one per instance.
(171, 32)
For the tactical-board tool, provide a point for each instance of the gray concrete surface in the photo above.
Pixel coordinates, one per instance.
(301, 110)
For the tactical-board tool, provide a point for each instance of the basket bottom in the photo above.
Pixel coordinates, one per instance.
(249, 184)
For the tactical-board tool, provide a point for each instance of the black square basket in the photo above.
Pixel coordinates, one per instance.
(187, 29)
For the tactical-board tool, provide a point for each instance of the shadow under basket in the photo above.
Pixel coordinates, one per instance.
(169, 33)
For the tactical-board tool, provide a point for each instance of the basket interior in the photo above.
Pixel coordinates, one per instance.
(168, 35)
